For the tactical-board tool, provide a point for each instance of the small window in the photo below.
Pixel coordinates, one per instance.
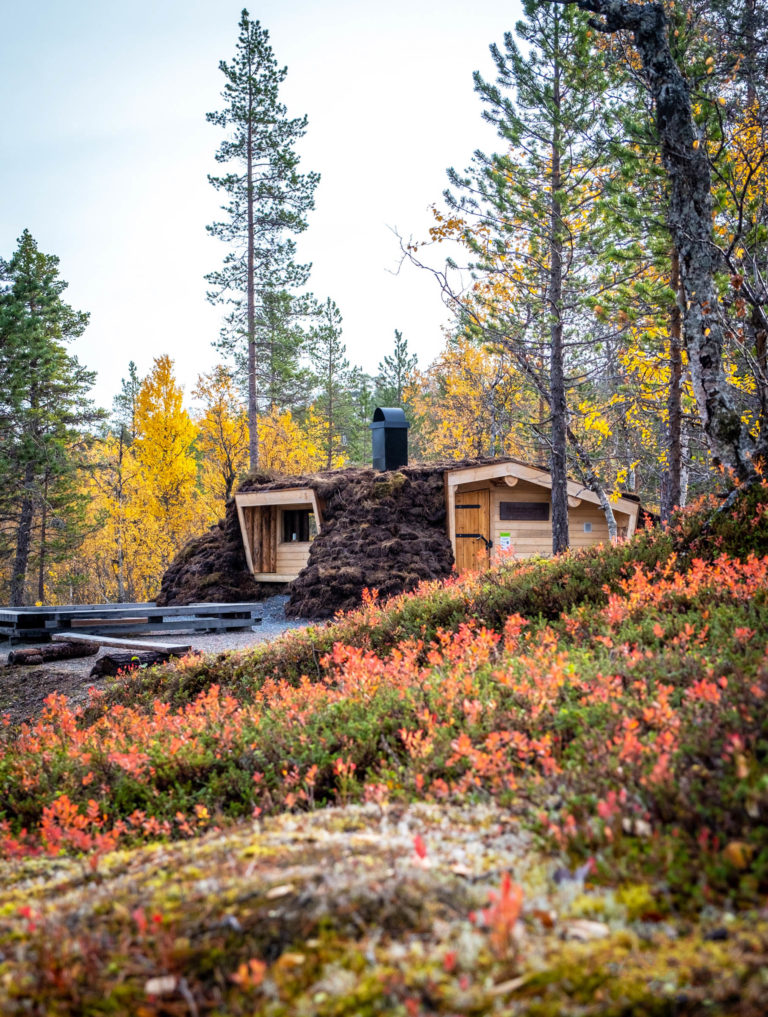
(298, 525)
(587, 527)
(524, 511)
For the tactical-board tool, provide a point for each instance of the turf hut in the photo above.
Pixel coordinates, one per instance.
(332, 535)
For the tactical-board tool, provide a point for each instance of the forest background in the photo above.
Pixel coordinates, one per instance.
(564, 231)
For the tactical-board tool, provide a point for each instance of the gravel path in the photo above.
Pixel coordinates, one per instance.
(273, 624)
(23, 689)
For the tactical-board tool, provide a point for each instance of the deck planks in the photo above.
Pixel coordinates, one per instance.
(103, 619)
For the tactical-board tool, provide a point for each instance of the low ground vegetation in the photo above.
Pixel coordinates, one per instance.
(536, 790)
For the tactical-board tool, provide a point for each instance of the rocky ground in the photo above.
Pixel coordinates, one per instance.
(23, 689)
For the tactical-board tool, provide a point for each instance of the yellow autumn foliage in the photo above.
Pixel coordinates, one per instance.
(471, 402)
(287, 447)
(222, 434)
(144, 501)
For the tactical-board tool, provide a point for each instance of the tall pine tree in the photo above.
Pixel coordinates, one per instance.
(529, 221)
(267, 201)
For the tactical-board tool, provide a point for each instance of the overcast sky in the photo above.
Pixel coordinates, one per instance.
(105, 149)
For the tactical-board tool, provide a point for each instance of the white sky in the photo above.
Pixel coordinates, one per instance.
(104, 154)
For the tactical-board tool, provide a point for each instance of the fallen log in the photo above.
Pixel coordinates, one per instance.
(52, 651)
(113, 662)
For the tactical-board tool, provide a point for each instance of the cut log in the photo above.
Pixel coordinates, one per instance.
(113, 662)
(52, 651)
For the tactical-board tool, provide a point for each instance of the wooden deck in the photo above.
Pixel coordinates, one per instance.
(31, 623)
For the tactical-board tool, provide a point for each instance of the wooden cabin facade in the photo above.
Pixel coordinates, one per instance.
(505, 508)
(491, 510)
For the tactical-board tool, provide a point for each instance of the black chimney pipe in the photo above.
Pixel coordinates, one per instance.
(389, 438)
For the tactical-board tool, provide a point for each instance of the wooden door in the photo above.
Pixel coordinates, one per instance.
(473, 529)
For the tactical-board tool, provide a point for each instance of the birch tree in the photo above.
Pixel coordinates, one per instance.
(690, 218)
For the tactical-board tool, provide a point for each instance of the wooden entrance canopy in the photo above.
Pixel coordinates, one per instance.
(261, 514)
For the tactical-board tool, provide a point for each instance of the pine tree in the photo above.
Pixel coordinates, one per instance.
(267, 204)
(331, 405)
(283, 381)
(362, 401)
(395, 373)
(44, 412)
(124, 403)
(532, 211)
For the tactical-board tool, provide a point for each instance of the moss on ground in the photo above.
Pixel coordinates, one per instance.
(360, 910)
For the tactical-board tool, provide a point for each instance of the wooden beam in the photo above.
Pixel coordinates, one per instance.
(289, 496)
(275, 577)
(174, 649)
(510, 481)
(273, 518)
(295, 497)
(573, 502)
(474, 474)
(84, 623)
(264, 539)
(246, 532)
(450, 511)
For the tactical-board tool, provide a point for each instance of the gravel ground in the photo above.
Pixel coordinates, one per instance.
(23, 689)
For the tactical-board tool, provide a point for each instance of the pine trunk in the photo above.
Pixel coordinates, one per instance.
(23, 540)
(761, 374)
(41, 563)
(120, 522)
(329, 463)
(253, 409)
(557, 402)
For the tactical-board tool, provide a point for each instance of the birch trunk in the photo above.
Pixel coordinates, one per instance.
(671, 492)
(594, 484)
(685, 161)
